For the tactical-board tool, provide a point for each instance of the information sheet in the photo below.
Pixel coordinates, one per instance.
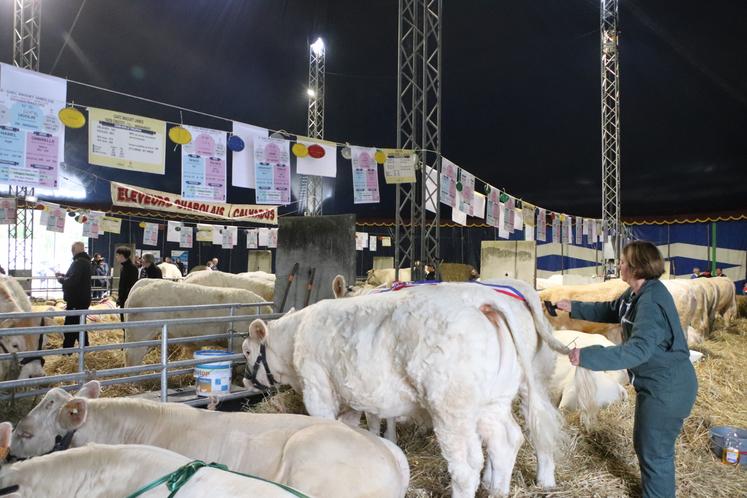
(272, 170)
(365, 175)
(204, 165)
(126, 141)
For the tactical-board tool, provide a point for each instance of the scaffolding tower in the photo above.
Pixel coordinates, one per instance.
(312, 187)
(419, 128)
(26, 39)
(610, 72)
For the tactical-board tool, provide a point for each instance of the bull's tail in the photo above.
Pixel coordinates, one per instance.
(541, 323)
(586, 392)
(542, 417)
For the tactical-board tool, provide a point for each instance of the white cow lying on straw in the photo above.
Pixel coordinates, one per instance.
(459, 352)
(572, 392)
(261, 284)
(114, 471)
(320, 457)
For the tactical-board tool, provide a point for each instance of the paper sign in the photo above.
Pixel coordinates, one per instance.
(466, 196)
(173, 233)
(204, 165)
(92, 227)
(541, 225)
(251, 238)
(399, 166)
(7, 211)
(32, 138)
(263, 237)
(579, 231)
(478, 205)
(372, 243)
(204, 233)
(186, 237)
(226, 238)
(361, 240)
(56, 218)
(126, 141)
(150, 234)
(448, 182)
(365, 175)
(493, 208)
(323, 166)
(556, 228)
(111, 225)
(242, 167)
(458, 217)
(272, 170)
(386, 242)
(502, 216)
(272, 239)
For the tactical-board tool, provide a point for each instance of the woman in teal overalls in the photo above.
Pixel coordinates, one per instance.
(654, 351)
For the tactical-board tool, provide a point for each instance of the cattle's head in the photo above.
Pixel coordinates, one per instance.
(57, 414)
(267, 364)
(341, 289)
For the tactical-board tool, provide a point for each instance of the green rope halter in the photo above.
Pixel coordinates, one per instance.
(175, 480)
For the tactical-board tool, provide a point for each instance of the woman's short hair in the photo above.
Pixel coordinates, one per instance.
(644, 259)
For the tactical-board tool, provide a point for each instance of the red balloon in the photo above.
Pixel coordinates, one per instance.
(316, 151)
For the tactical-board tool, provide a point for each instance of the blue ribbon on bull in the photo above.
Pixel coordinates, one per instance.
(502, 289)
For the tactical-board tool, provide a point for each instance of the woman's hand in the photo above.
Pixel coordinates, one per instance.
(575, 356)
(564, 305)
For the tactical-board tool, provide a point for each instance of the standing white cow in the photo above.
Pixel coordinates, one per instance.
(324, 458)
(157, 292)
(13, 299)
(456, 351)
(98, 470)
(262, 286)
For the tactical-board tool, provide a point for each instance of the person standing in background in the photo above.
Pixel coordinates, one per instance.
(127, 275)
(76, 290)
(149, 264)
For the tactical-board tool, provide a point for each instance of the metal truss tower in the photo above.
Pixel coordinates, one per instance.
(26, 39)
(419, 128)
(610, 72)
(314, 185)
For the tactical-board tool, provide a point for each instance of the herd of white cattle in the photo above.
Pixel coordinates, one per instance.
(453, 356)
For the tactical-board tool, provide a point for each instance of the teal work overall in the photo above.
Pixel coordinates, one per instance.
(655, 353)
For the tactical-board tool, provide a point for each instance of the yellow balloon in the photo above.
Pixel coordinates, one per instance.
(180, 135)
(141, 224)
(72, 117)
(300, 150)
(380, 157)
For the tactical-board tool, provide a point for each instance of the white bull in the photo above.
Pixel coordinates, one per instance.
(572, 392)
(98, 470)
(157, 292)
(13, 299)
(261, 286)
(319, 457)
(456, 351)
(386, 276)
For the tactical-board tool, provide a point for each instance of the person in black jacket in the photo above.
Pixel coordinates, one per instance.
(151, 270)
(76, 290)
(127, 275)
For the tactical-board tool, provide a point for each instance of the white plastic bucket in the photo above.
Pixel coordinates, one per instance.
(212, 378)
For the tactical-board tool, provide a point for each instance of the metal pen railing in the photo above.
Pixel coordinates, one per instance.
(99, 284)
(164, 368)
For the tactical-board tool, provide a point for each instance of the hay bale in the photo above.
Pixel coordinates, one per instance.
(455, 272)
(285, 400)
